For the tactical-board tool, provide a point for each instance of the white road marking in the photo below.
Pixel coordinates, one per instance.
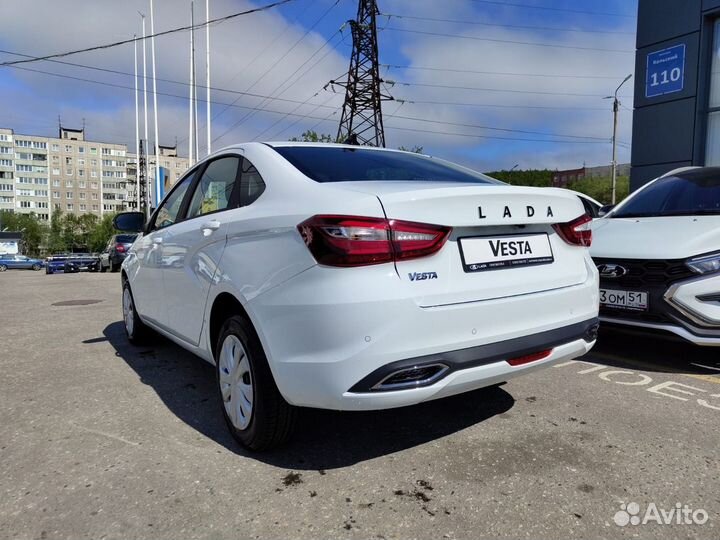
(704, 366)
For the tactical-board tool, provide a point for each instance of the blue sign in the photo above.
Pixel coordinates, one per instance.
(665, 71)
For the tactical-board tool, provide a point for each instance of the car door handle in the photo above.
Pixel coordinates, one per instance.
(209, 226)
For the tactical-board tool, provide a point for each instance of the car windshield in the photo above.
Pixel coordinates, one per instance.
(338, 164)
(688, 195)
(126, 238)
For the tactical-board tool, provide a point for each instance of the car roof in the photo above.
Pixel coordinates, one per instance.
(694, 173)
(287, 144)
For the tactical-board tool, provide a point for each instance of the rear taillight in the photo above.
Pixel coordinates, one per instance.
(119, 248)
(360, 241)
(577, 232)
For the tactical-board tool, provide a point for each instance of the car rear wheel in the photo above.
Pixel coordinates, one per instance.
(36, 267)
(256, 414)
(103, 268)
(3, 267)
(136, 330)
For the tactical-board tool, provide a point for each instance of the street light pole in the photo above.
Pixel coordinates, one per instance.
(616, 108)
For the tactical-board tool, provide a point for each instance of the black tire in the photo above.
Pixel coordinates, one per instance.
(3, 267)
(103, 268)
(273, 420)
(140, 332)
(36, 267)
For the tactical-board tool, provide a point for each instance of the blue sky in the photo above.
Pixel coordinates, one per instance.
(487, 83)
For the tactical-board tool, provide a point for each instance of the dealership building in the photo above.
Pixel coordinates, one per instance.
(676, 122)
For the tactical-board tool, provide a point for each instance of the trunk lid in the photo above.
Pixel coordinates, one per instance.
(489, 223)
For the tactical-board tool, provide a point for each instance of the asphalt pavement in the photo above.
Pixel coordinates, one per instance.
(101, 439)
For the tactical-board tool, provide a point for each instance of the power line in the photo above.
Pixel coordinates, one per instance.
(182, 83)
(416, 119)
(511, 41)
(523, 27)
(249, 115)
(435, 132)
(157, 34)
(178, 96)
(514, 74)
(501, 106)
(531, 6)
(502, 90)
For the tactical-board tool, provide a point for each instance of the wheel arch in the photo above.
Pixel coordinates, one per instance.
(224, 306)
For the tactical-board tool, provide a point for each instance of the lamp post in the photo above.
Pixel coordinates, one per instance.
(616, 108)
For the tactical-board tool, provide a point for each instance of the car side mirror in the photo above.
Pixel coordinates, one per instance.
(129, 222)
(604, 210)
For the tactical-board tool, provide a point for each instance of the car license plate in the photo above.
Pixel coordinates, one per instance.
(495, 252)
(632, 300)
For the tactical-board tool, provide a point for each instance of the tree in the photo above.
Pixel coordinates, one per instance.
(101, 233)
(416, 149)
(34, 231)
(313, 136)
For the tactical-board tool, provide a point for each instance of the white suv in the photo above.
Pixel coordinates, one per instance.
(658, 254)
(353, 278)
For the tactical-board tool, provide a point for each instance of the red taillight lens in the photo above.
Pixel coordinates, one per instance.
(534, 357)
(577, 232)
(119, 248)
(360, 241)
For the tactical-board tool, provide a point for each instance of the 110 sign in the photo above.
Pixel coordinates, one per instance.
(665, 71)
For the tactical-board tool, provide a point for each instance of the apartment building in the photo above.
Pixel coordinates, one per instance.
(74, 175)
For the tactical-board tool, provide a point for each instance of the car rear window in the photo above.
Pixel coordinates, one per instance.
(126, 238)
(337, 164)
(687, 195)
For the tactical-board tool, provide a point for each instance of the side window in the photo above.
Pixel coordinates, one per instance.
(214, 190)
(251, 184)
(167, 214)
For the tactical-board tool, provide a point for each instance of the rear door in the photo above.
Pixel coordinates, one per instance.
(193, 247)
(147, 283)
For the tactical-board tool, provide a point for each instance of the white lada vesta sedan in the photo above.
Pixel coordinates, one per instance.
(354, 278)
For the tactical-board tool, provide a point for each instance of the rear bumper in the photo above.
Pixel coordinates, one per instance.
(324, 334)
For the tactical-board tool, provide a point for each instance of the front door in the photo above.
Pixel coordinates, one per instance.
(196, 245)
(147, 283)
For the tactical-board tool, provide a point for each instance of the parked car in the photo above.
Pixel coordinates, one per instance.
(354, 278)
(116, 251)
(658, 253)
(72, 262)
(8, 262)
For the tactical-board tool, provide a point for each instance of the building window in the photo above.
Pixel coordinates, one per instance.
(95, 207)
(93, 185)
(81, 172)
(55, 147)
(6, 163)
(56, 171)
(94, 196)
(82, 195)
(69, 207)
(68, 194)
(68, 149)
(83, 208)
(81, 149)
(68, 172)
(56, 194)
(41, 193)
(712, 152)
(93, 150)
(82, 184)
(25, 204)
(56, 183)
(23, 168)
(93, 174)
(56, 206)
(41, 181)
(68, 183)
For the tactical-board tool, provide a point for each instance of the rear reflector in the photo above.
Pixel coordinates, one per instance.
(360, 241)
(534, 357)
(119, 248)
(577, 232)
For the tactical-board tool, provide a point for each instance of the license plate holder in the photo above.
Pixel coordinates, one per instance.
(483, 253)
